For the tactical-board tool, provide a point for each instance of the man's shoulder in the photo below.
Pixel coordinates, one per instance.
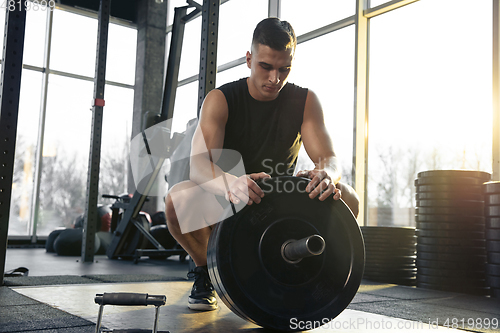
(293, 87)
(295, 91)
(233, 85)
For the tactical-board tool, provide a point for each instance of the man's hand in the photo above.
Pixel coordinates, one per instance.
(245, 189)
(321, 184)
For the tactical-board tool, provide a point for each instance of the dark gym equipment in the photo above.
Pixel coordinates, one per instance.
(69, 242)
(492, 235)
(208, 69)
(482, 175)
(491, 187)
(89, 229)
(451, 246)
(450, 218)
(449, 195)
(493, 246)
(457, 226)
(10, 87)
(442, 241)
(492, 223)
(453, 265)
(449, 180)
(390, 254)
(138, 238)
(129, 299)
(267, 265)
(440, 187)
(493, 270)
(473, 235)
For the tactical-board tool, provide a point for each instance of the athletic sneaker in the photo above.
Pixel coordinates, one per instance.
(202, 296)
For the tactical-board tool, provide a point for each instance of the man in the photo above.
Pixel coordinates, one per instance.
(265, 119)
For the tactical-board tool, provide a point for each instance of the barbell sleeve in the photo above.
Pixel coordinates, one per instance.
(295, 250)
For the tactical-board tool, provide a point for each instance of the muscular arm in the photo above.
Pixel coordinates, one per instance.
(206, 147)
(209, 137)
(317, 143)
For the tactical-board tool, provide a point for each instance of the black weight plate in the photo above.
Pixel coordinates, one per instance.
(387, 268)
(453, 273)
(462, 195)
(436, 218)
(492, 199)
(463, 204)
(397, 260)
(492, 211)
(451, 234)
(451, 249)
(466, 258)
(389, 273)
(375, 239)
(493, 257)
(492, 234)
(493, 269)
(493, 281)
(393, 241)
(388, 231)
(491, 187)
(429, 226)
(390, 252)
(388, 256)
(465, 242)
(397, 243)
(492, 223)
(404, 281)
(493, 246)
(447, 280)
(460, 289)
(469, 211)
(485, 176)
(460, 265)
(449, 188)
(252, 278)
(463, 181)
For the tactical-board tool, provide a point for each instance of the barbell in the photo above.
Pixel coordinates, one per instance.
(288, 259)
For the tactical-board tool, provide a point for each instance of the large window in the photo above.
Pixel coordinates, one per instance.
(331, 77)
(316, 14)
(26, 142)
(74, 39)
(67, 121)
(235, 38)
(430, 99)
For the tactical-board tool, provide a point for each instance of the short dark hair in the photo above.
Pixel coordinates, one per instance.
(276, 34)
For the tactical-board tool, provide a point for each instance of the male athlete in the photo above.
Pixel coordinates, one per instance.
(265, 119)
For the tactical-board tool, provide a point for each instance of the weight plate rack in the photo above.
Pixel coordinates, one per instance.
(492, 234)
(450, 231)
(390, 254)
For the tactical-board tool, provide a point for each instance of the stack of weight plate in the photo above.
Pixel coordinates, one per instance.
(492, 216)
(390, 254)
(451, 248)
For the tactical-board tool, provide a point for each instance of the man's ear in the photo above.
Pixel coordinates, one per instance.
(249, 59)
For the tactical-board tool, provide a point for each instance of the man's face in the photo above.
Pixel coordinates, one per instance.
(269, 70)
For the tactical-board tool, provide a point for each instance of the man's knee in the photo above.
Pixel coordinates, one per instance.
(177, 190)
(170, 210)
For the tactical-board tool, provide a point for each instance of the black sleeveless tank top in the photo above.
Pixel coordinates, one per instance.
(266, 134)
